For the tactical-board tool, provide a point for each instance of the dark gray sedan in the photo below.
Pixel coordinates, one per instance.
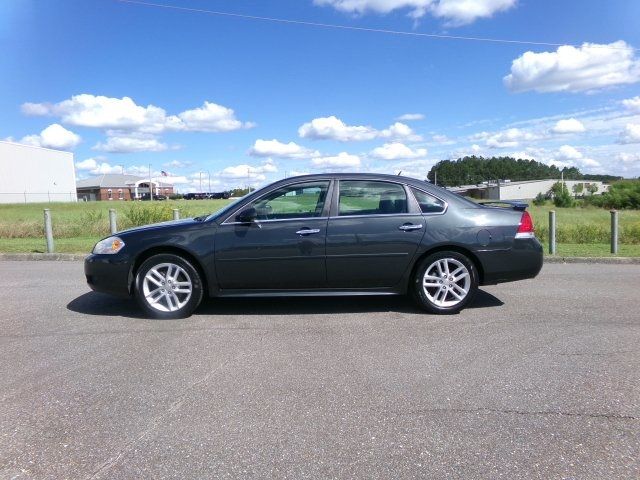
(329, 234)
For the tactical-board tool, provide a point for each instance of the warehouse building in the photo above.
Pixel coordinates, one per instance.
(119, 187)
(525, 190)
(33, 174)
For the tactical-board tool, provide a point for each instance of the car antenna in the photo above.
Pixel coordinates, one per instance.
(399, 172)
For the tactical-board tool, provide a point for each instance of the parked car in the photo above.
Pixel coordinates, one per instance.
(329, 234)
(219, 195)
(195, 196)
(147, 196)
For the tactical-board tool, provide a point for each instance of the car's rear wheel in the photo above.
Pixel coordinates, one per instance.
(445, 282)
(168, 286)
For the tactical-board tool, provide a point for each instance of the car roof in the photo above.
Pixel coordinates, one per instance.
(420, 184)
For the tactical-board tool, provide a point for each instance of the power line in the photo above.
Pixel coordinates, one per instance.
(362, 29)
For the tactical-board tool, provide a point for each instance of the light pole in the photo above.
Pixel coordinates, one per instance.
(209, 174)
(200, 181)
(150, 185)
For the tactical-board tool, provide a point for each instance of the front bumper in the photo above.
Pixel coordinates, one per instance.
(524, 260)
(108, 274)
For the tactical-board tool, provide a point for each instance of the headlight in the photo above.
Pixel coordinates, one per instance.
(109, 245)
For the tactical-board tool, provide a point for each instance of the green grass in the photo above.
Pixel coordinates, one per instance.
(592, 250)
(77, 226)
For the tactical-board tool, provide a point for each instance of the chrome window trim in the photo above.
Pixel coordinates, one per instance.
(276, 220)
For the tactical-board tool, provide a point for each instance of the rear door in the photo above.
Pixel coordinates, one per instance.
(284, 248)
(372, 235)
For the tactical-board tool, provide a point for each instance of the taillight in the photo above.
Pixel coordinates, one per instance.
(525, 229)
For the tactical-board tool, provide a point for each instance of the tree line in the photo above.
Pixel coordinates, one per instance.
(472, 170)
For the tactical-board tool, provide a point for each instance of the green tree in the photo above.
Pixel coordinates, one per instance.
(578, 188)
(561, 195)
(592, 188)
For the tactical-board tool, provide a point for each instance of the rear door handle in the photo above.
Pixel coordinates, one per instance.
(308, 231)
(410, 227)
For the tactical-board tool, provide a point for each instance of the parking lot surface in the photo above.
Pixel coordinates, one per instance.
(538, 379)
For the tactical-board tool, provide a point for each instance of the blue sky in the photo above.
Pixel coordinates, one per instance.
(125, 85)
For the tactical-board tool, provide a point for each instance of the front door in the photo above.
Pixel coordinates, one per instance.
(284, 248)
(372, 236)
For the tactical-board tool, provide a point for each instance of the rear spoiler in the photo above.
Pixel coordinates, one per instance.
(514, 204)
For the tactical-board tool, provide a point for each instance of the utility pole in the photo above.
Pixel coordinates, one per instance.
(209, 173)
(200, 181)
(150, 185)
(435, 177)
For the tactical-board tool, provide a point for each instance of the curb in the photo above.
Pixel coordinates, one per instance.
(75, 257)
(610, 260)
(56, 257)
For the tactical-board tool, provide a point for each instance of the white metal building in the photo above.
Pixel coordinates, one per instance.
(525, 190)
(33, 174)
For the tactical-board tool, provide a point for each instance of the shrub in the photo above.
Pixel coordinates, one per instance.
(540, 199)
(561, 196)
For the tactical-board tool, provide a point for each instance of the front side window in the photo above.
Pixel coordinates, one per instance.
(302, 200)
(428, 203)
(360, 197)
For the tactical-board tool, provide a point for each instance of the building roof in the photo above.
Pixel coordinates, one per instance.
(114, 180)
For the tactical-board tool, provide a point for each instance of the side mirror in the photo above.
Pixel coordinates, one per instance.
(248, 215)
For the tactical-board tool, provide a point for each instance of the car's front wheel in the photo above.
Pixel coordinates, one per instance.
(445, 282)
(168, 286)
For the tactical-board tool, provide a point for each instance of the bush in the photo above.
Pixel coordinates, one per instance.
(540, 199)
(144, 214)
(624, 194)
(561, 196)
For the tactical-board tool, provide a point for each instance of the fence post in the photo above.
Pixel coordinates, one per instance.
(48, 231)
(176, 214)
(112, 221)
(552, 232)
(614, 231)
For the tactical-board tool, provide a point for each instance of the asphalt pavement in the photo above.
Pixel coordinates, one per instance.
(537, 379)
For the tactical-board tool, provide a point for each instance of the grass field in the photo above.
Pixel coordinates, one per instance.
(77, 226)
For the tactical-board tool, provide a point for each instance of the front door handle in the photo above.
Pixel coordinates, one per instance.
(409, 227)
(308, 231)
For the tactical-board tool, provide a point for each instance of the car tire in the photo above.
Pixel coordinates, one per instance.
(168, 286)
(445, 282)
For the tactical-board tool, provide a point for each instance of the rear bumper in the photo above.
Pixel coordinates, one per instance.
(108, 274)
(523, 260)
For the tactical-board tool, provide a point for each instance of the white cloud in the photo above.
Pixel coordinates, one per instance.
(97, 166)
(54, 136)
(274, 148)
(572, 155)
(409, 117)
(342, 160)
(570, 125)
(463, 12)
(129, 144)
(632, 104)
(251, 172)
(442, 139)
(570, 69)
(628, 158)
(456, 12)
(332, 128)
(97, 111)
(211, 117)
(631, 133)
(397, 151)
(509, 138)
(177, 164)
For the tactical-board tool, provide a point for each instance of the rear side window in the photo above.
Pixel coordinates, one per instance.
(359, 197)
(428, 203)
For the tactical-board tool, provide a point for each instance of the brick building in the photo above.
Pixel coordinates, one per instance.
(119, 187)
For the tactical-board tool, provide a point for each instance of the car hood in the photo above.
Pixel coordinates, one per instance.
(160, 226)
